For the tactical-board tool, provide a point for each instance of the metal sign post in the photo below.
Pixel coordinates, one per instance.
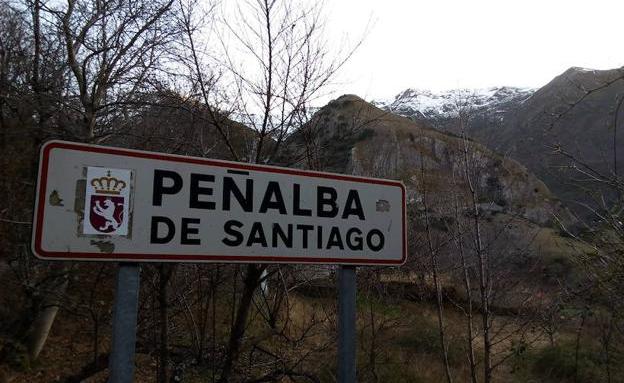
(346, 324)
(125, 310)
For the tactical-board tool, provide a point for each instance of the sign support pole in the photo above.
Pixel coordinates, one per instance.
(125, 309)
(346, 324)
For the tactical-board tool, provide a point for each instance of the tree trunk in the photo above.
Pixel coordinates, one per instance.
(468, 289)
(164, 274)
(483, 265)
(250, 284)
(372, 356)
(40, 328)
(436, 281)
(577, 346)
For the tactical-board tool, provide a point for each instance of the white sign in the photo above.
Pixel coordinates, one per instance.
(101, 203)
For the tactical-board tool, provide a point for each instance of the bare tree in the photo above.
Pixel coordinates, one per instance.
(275, 61)
(484, 251)
(83, 64)
(467, 284)
(481, 254)
(434, 267)
(112, 50)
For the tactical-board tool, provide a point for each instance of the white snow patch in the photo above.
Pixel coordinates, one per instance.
(447, 103)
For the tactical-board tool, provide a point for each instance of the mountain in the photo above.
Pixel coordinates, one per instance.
(431, 106)
(516, 209)
(356, 137)
(574, 112)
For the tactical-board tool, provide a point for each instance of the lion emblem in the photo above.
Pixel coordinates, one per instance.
(106, 213)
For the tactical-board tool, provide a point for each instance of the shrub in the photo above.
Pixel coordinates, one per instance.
(397, 374)
(15, 354)
(558, 362)
(425, 338)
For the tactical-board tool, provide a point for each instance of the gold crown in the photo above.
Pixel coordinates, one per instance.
(108, 185)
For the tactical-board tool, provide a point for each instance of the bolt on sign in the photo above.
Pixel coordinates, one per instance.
(111, 204)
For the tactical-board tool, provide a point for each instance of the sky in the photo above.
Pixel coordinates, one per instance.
(448, 44)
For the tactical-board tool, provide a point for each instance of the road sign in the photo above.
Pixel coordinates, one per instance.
(112, 204)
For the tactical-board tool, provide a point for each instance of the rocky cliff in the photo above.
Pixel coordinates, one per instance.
(356, 137)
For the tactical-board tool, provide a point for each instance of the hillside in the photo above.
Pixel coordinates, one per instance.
(546, 120)
(357, 137)
(516, 209)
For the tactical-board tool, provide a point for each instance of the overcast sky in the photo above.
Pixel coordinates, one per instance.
(445, 44)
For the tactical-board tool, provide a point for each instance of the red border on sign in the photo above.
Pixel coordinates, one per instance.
(41, 193)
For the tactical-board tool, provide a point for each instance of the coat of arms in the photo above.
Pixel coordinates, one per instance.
(106, 203)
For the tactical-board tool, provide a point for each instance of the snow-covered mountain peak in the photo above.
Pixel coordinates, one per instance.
(415, 102)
